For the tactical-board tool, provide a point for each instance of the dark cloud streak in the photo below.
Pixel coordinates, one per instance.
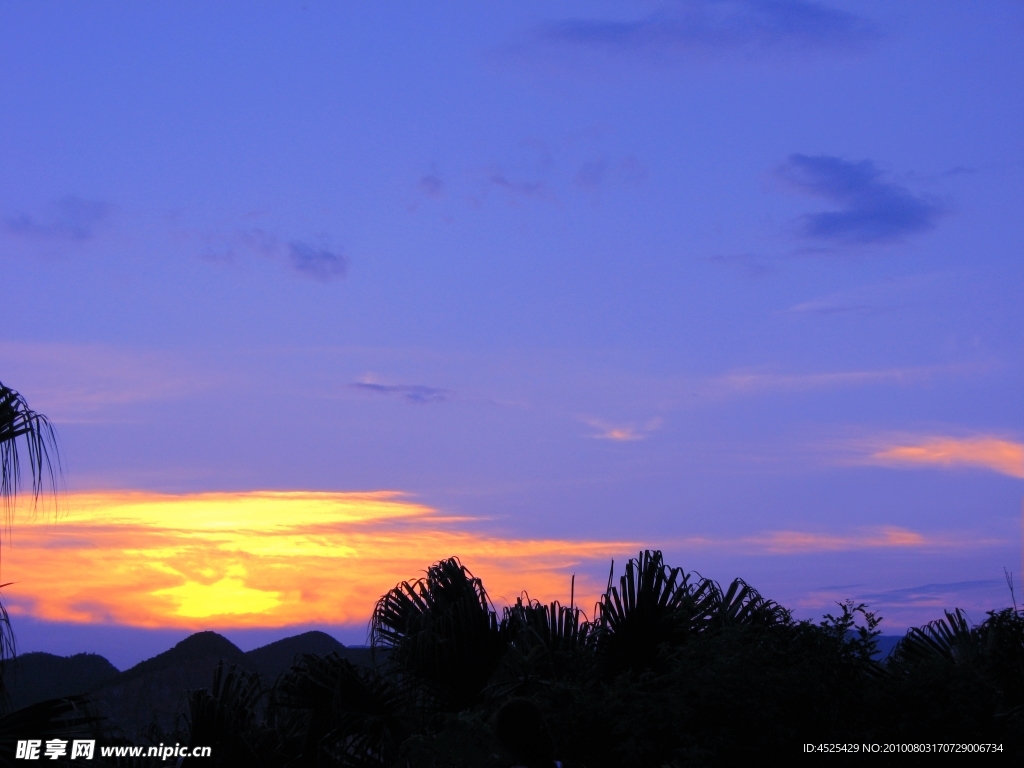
(706, 25)
(412, 393)
(316, 263)
(873, 210)
(70, 218)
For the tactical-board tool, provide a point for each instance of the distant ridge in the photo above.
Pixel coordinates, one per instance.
(34, 677)
(156, 690)
(201, 645)
(273, 659)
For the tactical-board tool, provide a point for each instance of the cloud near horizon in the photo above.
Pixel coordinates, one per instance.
(276, 559)
(263, 559)
(793, 542)
(873, 210)
(987, 452)
(914, 606)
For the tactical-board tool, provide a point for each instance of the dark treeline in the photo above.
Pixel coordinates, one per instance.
(673, 670)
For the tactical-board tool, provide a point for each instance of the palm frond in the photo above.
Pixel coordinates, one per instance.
(741, 604)
(65, 718)
(442, 632)
(340, 714)
(558, 627)
(653, 605)
(225, 717)
(951, 638)
(546, 642)
(20, 425)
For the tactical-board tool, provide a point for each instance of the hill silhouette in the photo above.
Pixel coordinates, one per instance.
(155, 691)
(34, 677)
(273, 659)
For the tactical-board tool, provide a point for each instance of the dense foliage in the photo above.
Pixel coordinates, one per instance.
(674, 670)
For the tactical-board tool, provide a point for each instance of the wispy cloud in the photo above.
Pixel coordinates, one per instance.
(264, 559)
(873, 210)
(596, 173)
(519, 189)
(623, 433)
(880, 296)
(790, 542)
(412, 393)
(757, 381)
(228, 249)
(70, 218)
(699, 26)
(986, 452)
(796, 542)
(82, 382)
(431, 184)
(316, 263)
(591, 174)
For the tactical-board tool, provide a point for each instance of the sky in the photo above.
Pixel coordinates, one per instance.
(317, 294)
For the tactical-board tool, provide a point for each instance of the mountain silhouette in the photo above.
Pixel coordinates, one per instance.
(34, 677)
(155, 691)
(273, 659)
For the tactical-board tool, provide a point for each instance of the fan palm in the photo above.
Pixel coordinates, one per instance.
(652, 605)
(442, 632)
(656, 605)
(332, 712)
(951, 639)
(225, 718)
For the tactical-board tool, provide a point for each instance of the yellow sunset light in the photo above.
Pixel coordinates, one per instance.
(261, 558)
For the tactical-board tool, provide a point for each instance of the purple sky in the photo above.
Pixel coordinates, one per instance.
(642, 271)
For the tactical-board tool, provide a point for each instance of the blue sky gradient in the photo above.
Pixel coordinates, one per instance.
(646, 271)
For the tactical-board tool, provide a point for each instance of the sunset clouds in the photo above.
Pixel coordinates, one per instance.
(261, 558)
(275, 559)
(987, 452)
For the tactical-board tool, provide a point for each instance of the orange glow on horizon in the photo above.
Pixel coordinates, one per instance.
(262, 558)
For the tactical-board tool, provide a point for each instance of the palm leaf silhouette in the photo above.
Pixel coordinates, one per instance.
(65, 718)
(19, 424)
(951, 638)
(442, 633)
(653, 605)
(338, 714)
(225, 717)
